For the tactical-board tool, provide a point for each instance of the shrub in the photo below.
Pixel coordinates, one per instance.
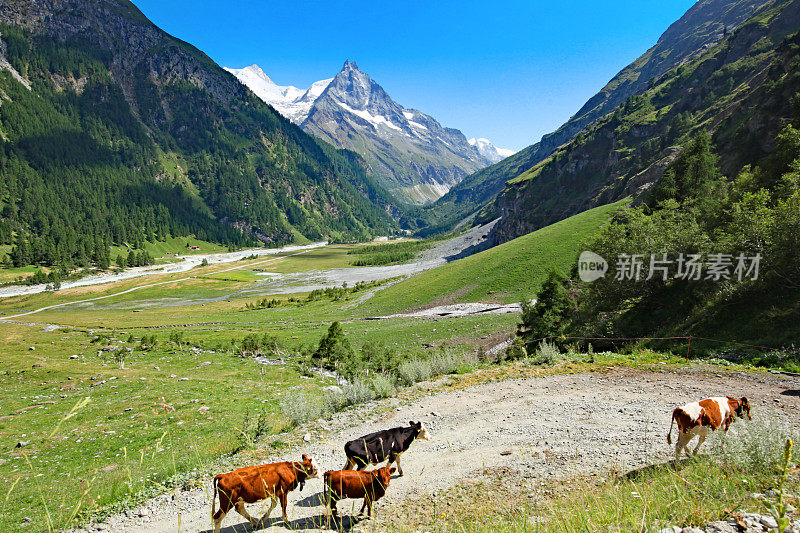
(755, 445)
(379, 357)
(413, 371)
(253, 429)
(546, 354)
(383, 386)
(352, 394)
(300, 408)
(176, 337)
(446, 362)
(548, 315)
(516, 351)
(333, 348)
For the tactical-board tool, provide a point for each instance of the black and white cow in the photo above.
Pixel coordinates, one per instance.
(387, 445)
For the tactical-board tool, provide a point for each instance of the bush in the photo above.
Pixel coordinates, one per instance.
(413, 371)
(253, 344)
(253, 429)
(383, 386)
(383, 259)
(516, 351)
(334, 349)
(352, 394)
(547, 316)
(755, 445)
(546, 354)
(446, 362)
(300, 408)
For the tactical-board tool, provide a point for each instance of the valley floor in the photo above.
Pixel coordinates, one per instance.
(543, 429)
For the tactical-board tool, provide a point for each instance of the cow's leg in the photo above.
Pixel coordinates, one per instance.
(240, 508)
(273, 501)
(225, 505)
(368, 503)
(351, 462)
(282, 496)
(397, 462)
(218, 520)
(703, 433)
(683, 440)
(333, 510)
(362, 466)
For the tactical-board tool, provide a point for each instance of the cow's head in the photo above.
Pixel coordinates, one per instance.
(384, 475)
(309, 468)
(419, 430)
(743, 409)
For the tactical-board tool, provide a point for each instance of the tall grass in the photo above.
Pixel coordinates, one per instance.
(299, 408)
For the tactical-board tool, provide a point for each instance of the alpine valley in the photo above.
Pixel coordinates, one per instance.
(413, 156)
(206, 276)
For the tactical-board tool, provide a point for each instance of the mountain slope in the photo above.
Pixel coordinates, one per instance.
(739, 90)
(114, 131)
(409, 152)
(706, 23)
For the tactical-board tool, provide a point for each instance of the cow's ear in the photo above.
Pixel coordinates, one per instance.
(411, 423)
(392, 470)
(305, 458)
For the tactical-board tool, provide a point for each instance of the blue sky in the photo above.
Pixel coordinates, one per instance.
(510, 71)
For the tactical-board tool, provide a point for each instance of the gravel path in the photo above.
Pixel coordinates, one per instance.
(553, 427)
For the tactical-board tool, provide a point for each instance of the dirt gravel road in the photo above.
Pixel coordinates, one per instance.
(554, 427)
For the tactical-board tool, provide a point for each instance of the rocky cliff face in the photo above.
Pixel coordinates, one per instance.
(128, 37)
(738, 89)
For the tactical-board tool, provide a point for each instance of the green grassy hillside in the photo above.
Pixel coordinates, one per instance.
(507, 273)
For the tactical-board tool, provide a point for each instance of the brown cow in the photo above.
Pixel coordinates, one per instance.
(255, 483)
(697, 417)
(370, 485)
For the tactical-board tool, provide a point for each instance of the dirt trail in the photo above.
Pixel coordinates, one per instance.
(554, 427)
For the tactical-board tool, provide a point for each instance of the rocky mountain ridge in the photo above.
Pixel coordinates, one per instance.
(409, 152)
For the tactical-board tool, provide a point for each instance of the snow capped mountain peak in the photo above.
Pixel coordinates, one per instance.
(289, 101)
(411, 154)
(350, 65)
(256, 71)
(490, 151)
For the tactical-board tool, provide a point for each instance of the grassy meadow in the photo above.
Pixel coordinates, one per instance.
(101, 405)
(141, 386)
(508, 273)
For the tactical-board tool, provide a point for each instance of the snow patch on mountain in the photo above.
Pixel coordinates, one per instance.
(375, 120)
(290, 101)
(489, 150)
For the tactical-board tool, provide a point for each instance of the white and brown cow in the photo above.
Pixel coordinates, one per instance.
(696, 418)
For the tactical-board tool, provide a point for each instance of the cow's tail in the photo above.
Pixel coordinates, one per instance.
(671, 422)
(214, 497)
